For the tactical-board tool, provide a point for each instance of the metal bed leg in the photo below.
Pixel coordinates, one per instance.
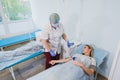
(96, 75)
(1, 48)
(12, 73)
(36, 58)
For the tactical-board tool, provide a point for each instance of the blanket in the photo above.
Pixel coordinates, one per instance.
(27, 49)
(65, 71)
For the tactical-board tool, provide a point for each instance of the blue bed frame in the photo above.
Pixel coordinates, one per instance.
(15, 40)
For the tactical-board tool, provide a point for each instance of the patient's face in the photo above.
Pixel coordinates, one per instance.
(86, 50)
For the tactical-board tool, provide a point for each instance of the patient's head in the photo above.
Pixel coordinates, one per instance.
(88, 50)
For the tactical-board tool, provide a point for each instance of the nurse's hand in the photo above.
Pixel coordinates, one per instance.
(69, 44)
(52, 53)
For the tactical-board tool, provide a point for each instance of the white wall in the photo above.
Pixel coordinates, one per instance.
(94, 21)
(21, 26)
(2, 32)
(115, 73)
(16, 28)
(41, 9)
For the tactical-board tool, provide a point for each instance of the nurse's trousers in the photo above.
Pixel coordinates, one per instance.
(49, 58)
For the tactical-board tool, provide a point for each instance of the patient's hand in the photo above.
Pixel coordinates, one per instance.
(77, 63)
(52, 62)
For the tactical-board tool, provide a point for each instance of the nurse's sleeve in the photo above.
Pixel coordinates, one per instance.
(62, 28)
(44, 33)
(63, 33)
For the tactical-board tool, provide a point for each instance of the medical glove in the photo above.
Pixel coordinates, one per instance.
(69, 44)
(52, 53)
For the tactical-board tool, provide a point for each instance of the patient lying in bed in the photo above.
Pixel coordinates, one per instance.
(78, 67)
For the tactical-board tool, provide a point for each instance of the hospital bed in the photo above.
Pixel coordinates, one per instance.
(99, 55)
(9, 63)
(17, 39)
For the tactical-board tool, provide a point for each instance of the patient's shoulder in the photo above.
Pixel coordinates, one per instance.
(93, 61)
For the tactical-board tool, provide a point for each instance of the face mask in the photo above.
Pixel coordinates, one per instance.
(55, 25)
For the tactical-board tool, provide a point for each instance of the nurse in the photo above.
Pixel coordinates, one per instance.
(51, 37)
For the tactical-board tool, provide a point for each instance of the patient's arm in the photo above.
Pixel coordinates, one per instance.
(60, 61)
(89, 71)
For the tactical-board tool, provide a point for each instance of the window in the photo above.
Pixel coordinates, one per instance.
(16, 9)
(0, 18)
(15, 18)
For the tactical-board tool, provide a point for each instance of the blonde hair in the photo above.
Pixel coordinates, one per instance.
(92, 50)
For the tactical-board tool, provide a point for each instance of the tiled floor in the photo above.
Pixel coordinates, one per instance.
(24, 70)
